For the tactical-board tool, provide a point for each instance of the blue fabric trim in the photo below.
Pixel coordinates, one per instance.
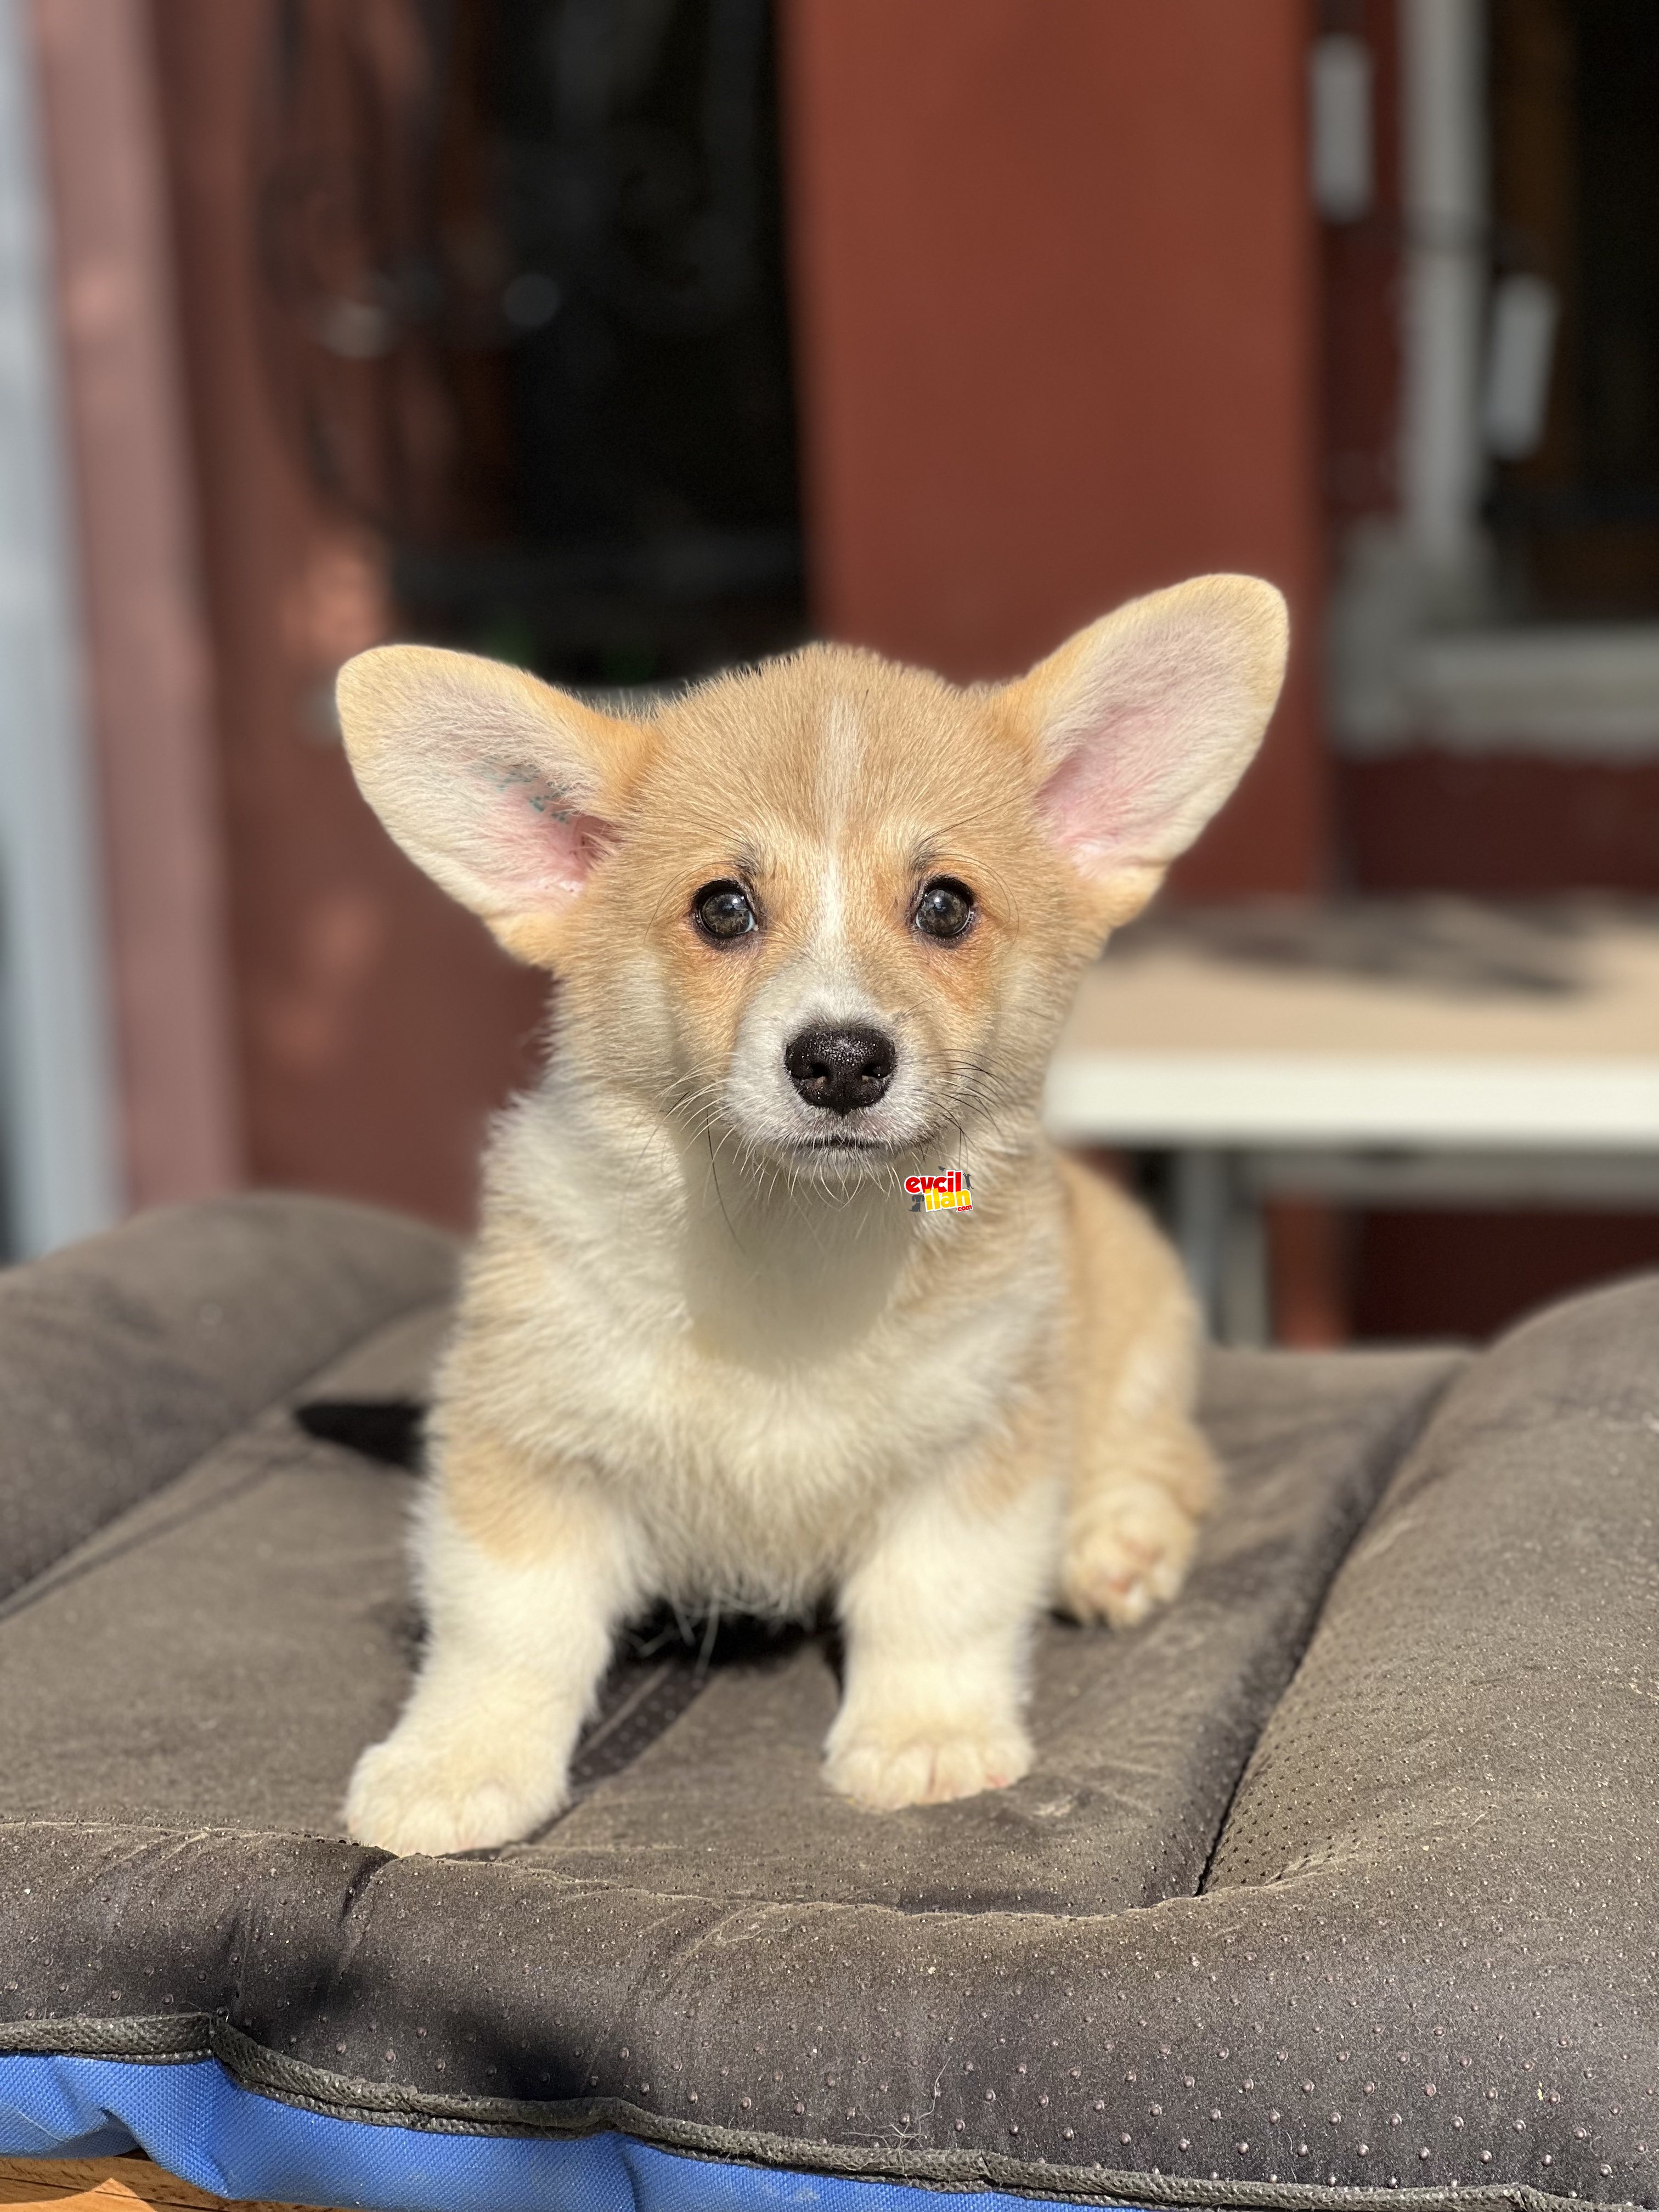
(190, 2117)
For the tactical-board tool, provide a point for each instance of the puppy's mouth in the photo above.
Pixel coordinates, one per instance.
(842, 1152)
(840, 1143)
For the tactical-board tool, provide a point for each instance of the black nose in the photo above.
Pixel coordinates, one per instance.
(840, 1069)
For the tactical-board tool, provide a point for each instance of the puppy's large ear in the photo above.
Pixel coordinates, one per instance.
(1145, 721)
(502, 788)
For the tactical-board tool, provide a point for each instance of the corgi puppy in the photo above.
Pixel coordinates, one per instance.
(816, 925)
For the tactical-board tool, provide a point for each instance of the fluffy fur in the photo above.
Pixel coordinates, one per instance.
(705, 1351)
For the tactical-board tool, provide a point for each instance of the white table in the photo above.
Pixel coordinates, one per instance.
(1420, 1052)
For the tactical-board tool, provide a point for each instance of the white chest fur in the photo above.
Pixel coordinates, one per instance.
(755, 1374)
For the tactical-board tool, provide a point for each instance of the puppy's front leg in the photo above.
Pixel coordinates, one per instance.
(523, 1585)
(937, 1621)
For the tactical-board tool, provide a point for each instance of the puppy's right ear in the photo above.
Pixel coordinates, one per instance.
(502, 788)
(1143, 723)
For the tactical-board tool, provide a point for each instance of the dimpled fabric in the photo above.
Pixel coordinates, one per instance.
(1334, 1882)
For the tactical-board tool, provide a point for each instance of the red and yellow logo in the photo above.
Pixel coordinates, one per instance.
(939, 1193)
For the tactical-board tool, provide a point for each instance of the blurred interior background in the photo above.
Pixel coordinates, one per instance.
(624, 338)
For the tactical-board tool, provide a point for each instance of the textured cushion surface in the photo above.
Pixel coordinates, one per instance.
(124, 1360)
(1339, 1874)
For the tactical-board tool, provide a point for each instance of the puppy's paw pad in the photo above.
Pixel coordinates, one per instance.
(887, 1768)
(1129, 1557)
(407, 1798)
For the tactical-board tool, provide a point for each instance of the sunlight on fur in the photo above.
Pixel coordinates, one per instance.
(816, 926)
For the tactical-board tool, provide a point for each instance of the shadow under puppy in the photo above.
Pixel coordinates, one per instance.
(817, 925)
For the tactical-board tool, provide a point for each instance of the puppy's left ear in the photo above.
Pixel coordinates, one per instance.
(1143, 723)
(505, 790)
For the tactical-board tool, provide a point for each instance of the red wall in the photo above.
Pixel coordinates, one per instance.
(378, 1024)
(147, 673)
(1053, 271)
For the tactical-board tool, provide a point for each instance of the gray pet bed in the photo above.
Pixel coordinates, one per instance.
(1337, 1878)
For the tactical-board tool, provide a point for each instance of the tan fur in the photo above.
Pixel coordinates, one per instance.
(698, 1355)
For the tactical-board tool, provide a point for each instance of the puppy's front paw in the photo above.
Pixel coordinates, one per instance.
(1130, 1556)
(413, 1794)
(914, 1762)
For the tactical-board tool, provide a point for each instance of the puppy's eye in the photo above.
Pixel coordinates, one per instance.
(722, 911)
(945, 908)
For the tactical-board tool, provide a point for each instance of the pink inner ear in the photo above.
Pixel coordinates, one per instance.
(541, 845)
(1112, 795)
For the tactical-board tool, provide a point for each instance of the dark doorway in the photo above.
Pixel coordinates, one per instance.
(525, 261)
(1575, 157)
